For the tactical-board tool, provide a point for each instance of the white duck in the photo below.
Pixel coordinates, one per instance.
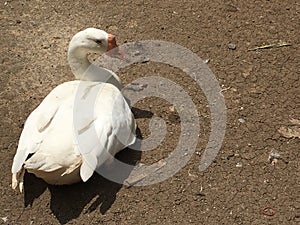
(80, 124)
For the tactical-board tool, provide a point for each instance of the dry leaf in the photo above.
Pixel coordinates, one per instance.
(295, 121)
(290, 132)
(134, 180)
(153, 168)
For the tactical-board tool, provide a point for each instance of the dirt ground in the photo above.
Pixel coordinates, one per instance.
(261, 89)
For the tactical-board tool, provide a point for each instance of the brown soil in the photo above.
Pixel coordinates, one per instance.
(260, 87)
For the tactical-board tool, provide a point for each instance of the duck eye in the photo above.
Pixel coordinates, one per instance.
(99, 42)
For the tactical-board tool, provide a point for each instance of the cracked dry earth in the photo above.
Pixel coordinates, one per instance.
(255, 177)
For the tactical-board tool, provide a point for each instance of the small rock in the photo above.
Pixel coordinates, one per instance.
(241, 120)
(273, 157)
(4, 219)
(172, 108)
(136, 53)
(186, 70)
(231, 46)
(136, 87)
(239, 165)
(145, 60)
(206, 61)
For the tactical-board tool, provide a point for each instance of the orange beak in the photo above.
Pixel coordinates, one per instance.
(112, 43)
(112, 48)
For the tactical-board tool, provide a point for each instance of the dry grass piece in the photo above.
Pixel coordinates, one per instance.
(274, 45)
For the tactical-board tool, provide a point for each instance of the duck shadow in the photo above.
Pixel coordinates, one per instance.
(140, 113)
(69, 201)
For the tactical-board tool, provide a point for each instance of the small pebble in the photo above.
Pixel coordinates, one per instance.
(136, 53)
(273, 157)
(241, 120)
(4, 219)
(239, 165)
(172, 108)
(231, 46)
(145, 60)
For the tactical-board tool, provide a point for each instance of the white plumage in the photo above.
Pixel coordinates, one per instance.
(80, 124)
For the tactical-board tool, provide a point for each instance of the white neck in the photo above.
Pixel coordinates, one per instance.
(78, 63)
(84, 70)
